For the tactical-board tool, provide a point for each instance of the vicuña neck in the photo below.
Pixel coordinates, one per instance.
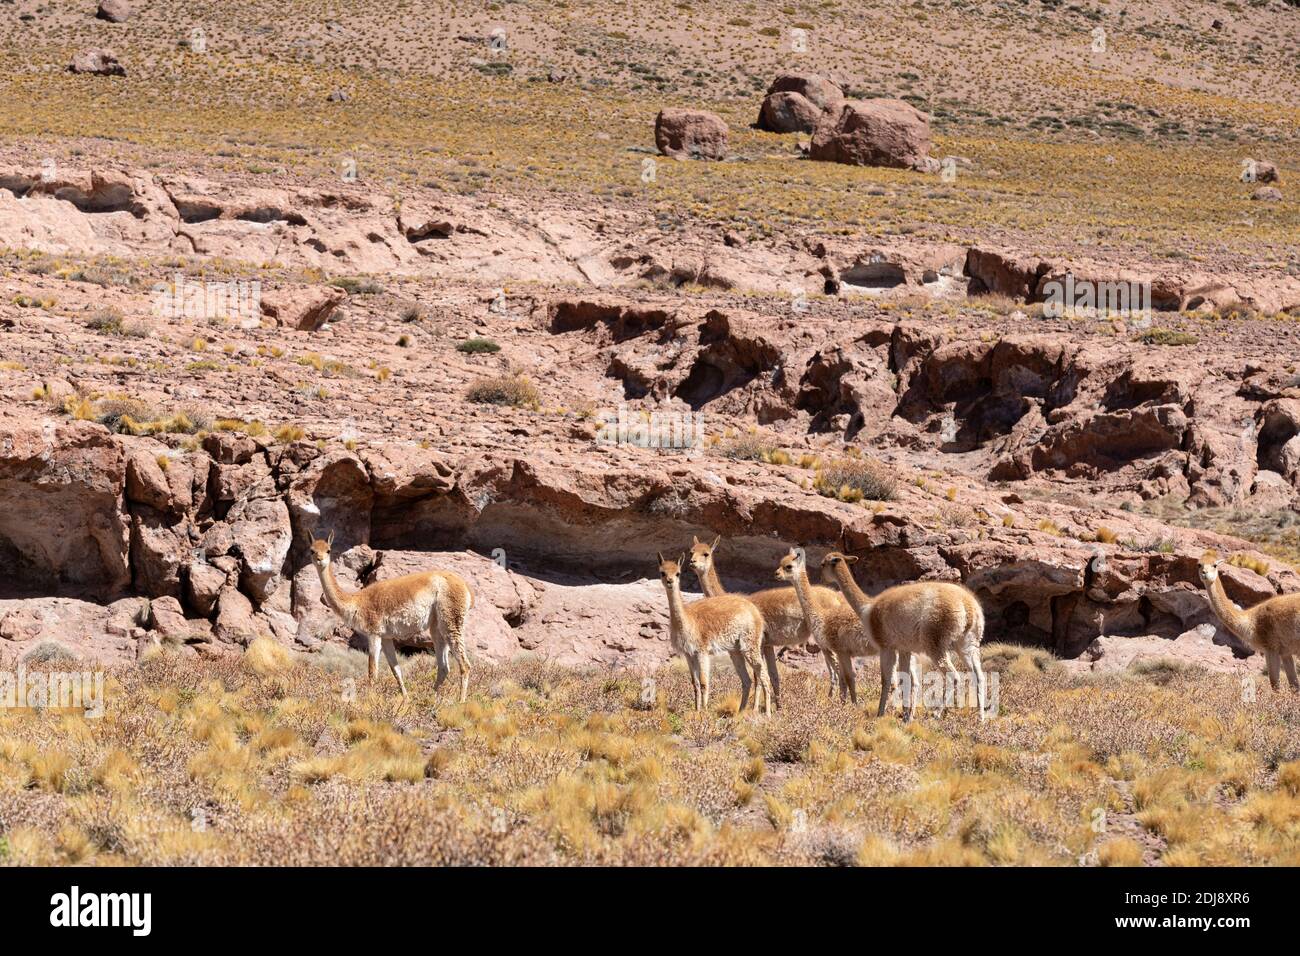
(1236, 620)
(712, 586)
(803, 589)
(339, 602)
(676, 609)
(856, 597)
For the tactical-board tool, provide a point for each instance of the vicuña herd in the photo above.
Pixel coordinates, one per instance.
(935, 619)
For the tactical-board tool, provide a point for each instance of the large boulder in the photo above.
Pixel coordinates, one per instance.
(690, 134)
(1260, 171)
(881, 132)
(305, 309)
(98, 62)
(788, 113)
(32, 628)
(262, 535)
(813, 87)
(795, 102)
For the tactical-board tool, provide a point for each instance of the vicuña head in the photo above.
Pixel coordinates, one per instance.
(670, 572)
(702, 555)
(792, 566)
(1209, 568)
(833, 563)
(320, 552)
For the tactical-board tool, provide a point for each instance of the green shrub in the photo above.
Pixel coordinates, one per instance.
(478, 347)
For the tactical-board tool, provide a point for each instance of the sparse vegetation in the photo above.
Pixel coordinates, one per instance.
(512, 389)
(550, 765)
(478, 347)
(854, 480)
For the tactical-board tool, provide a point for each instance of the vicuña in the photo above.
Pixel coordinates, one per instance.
(1271, 627)
(712, 624)
(934, 618)
(403, 610)
(783, 618)
(833, 625)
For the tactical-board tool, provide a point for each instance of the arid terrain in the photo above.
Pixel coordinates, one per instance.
(421, 277)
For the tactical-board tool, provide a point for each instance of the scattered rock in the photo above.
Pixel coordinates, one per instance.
(98, 62)
(1267, 194)
(1262, 171)
(305, 309)
(114, 11)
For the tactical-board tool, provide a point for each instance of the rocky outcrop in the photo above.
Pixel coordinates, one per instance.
(691, 134)
(64, 522)
(1114, 288)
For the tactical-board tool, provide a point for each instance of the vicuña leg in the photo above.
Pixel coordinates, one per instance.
(442, 656)
(912, 674)
(1274, 662)
(971, 656)
(762, 685)
(390, 654)
(454, 632)
(888, 663)
(848, 679)
(833, 669)
(949, 675)
(769, 656)
(706, 672)
(742, 671)
(372, 660)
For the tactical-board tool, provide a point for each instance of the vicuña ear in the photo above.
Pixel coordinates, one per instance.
(714, 546)
(681, 559)
(660, 556)
(695, 542)
(851, 559)
(329, 542)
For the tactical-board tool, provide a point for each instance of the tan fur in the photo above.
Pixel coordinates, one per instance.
(934, 618)
(728, 623)
(1271, 627)
(430, 607)
(783, 618)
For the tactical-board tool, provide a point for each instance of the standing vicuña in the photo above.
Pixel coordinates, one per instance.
(724, 623)
(833, 625)
(932, 618)
(403, 609)
(1271, 627)
(783, 617)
